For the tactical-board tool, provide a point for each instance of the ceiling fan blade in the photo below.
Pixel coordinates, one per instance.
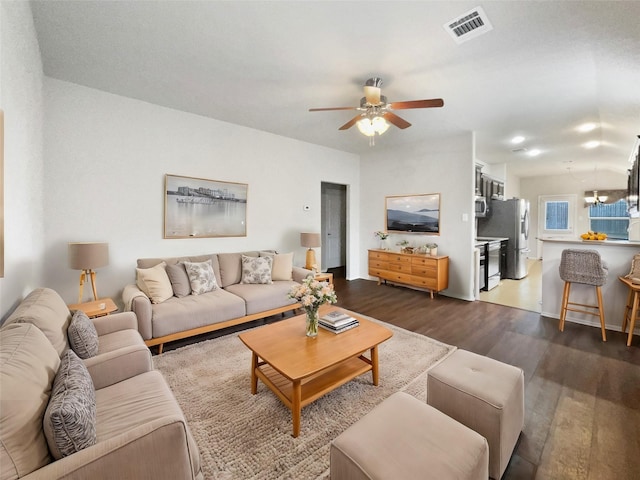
(434, 102)
(350, 123)
(396, 120)
(331, 108)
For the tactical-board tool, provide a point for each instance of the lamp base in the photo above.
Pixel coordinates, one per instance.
(83, 276)
(311, 259)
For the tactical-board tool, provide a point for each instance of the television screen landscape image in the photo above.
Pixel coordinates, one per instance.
(413, 213)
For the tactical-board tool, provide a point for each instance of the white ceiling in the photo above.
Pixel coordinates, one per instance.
(544, 69)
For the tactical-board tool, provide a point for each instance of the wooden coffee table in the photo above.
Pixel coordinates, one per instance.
(299, 369)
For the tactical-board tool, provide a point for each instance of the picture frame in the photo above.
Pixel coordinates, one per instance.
(202, 208)
(413, 213)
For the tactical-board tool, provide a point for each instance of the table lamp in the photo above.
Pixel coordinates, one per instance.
(87, 256)
(311, 241)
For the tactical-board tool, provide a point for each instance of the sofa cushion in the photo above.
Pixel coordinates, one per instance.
(201, 277)
(28, 365)
(154, 282)
(256, 270)
(231, 267)
(282, 268)
(179, 314)
(179, 280)
(70, 418)
(260, 298)
(138, 401)
(83, 336)
(45, 309)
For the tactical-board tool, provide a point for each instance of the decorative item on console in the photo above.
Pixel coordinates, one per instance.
(383, 239)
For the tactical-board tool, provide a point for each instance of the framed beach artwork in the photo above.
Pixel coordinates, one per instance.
(413, 213)
(202, 208)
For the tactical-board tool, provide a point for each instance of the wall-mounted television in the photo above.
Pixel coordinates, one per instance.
(413, 213)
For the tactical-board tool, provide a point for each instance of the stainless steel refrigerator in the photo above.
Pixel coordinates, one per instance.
(509, 219)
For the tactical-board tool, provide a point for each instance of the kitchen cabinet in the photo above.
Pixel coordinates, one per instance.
(488, 186)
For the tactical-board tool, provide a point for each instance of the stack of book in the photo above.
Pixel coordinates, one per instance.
(337, 322)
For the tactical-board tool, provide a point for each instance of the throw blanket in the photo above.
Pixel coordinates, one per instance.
(128, 294)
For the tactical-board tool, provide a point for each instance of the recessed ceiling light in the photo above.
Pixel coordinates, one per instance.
(517, 139)
(534, 152)
(591, 144)
(587, 127)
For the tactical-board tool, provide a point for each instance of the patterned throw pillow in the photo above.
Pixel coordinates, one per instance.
(201, 277)
(256, 269)
(82, 334)
(70, 418)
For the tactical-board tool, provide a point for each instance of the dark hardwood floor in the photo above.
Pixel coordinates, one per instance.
(582, 396)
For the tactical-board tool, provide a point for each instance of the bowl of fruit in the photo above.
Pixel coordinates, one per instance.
(593, 236)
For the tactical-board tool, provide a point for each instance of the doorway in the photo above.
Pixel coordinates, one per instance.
(334, 228)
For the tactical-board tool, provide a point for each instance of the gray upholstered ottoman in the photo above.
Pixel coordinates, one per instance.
(404, 438)
(485, 395)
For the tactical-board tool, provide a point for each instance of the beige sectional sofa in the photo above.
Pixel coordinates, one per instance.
(120, 418)
(184, 314)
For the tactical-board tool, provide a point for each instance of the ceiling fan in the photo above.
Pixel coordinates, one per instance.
(376, 112)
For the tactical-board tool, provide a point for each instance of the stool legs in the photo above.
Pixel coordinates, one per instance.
(601, 311)
(566, 306)
(634, 314)
(565, 301)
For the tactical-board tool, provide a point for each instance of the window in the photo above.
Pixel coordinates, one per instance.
(556, 215)
(611, 218)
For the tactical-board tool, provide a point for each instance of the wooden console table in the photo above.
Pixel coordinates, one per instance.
(417, 270)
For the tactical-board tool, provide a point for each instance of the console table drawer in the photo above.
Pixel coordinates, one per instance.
(425, 282)
(398, 277)
(425, 261)
(424, 271)
(373, 263)
(403, 259)
(400, 267)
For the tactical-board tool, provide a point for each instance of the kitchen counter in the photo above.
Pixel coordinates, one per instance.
(616, 253)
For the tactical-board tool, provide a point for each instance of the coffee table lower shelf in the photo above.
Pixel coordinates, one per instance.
(297, 394)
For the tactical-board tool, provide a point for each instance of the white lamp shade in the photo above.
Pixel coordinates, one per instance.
(310, 240)
(88, 255)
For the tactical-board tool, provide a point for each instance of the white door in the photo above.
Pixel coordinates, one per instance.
(556, 217)
(334, 212)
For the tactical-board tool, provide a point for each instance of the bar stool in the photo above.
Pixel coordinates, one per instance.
(633, 300)
(586, 267)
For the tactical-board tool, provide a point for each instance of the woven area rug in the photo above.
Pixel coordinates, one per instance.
(244, 436)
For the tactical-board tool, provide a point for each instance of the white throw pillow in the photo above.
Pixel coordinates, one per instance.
(154, 282)
(256, 270)
(282, 268)
(201, 277)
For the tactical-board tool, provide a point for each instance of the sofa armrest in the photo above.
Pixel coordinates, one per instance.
(159, 449)
(135, 300)
(300, 273)
(115, 322)
(118, 365)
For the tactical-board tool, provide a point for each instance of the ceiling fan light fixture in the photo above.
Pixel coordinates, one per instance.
(371, 126)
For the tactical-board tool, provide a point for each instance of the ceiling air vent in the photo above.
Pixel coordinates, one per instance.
(468, 25)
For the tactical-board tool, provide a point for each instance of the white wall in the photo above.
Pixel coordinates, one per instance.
(21, 99)
(106, 157)
(575, 183)
(444, 166)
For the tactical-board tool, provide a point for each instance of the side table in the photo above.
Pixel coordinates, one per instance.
(324, 277)
(97, 308)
